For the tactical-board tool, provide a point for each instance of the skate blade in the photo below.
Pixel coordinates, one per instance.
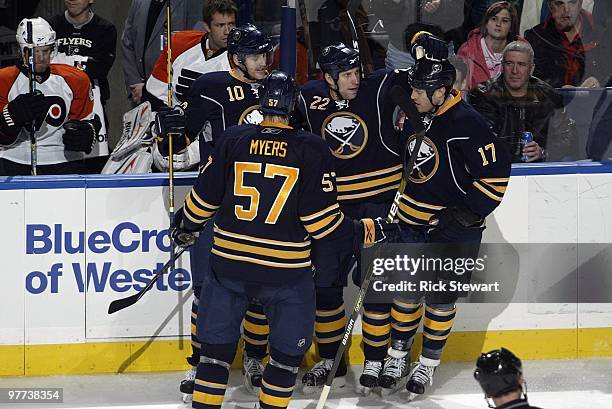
(412, 396)
(363, 390)
(384, 392)
(187, 398)
(337, 383)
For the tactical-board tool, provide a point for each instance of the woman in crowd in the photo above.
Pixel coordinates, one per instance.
(483, 50)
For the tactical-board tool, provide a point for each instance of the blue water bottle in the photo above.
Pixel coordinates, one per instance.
(526, 137)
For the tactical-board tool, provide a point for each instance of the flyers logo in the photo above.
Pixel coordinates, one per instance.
(56, 111)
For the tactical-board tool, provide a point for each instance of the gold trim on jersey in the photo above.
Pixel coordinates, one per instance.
(258, 250)
(448, 105)
(414, 212)
(491, 192)
(368, 184)
(322, 223)
(196, 209)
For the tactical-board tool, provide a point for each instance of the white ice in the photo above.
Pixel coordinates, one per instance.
(552, 384)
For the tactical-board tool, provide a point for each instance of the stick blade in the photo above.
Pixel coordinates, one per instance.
(118, 305)
(401, 97)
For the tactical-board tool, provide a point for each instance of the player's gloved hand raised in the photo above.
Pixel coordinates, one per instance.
(454, 215)
(170, 121)
(179, 234)
(427, 45)
(80, 136)
(379, 230)
(24, 109)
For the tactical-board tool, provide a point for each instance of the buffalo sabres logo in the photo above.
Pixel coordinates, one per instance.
(251, 115)
(255, 89)
(427, 160)
(346, 134)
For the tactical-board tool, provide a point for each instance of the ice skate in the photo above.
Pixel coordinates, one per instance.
(187, 384)
(421, 376)
(315, 378)
(369, 377)
(252, 369)
(394, 374)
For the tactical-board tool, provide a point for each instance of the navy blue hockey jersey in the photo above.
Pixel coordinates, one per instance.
(459, 163)
(272, 190)
(360, 135)
(218, 100)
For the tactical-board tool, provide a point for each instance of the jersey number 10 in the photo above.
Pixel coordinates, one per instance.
(271, 171)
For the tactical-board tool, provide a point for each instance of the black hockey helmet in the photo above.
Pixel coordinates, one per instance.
(248, 40)
(498, 372)
(430, 75)
(337, 58)
(278, 94)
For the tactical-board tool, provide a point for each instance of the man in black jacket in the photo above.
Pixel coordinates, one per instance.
(81, 32)
(570, 50)
(516, 102)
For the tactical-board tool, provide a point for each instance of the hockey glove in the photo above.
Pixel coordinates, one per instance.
(170, 121)
(454, 215)
(179, 234)
(426, 45)
(379, 230)
(80, 136)
(24, 109)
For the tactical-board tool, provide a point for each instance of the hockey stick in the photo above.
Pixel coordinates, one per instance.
(170, 150)
(32, 78)
(312, 67)
(401, 98)
(122, 303)
(360, 43)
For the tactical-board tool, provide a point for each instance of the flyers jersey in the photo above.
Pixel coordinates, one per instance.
(272, 190)
(217, 101)
(67, 91)
(459, 163)
(360, 135)
(190, 59)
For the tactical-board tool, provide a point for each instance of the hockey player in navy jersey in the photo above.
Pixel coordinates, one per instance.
(216, 101)
(500, 375)
(354, 117)
(273, 192)
(460, 176)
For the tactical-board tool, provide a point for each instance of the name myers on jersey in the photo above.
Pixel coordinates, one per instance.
(268, 148)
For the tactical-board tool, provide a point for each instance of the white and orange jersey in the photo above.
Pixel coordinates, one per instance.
(191, 58)
(68, 93)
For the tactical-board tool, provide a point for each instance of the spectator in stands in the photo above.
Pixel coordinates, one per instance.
(90, 40)
(483, 50)
(141, 41)
(82, 32)
(569, 49)
(516, 101)
(473, 14)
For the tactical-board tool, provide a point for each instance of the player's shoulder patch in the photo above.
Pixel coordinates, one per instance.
(7, 78)
(184, 40)
(76, 78)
